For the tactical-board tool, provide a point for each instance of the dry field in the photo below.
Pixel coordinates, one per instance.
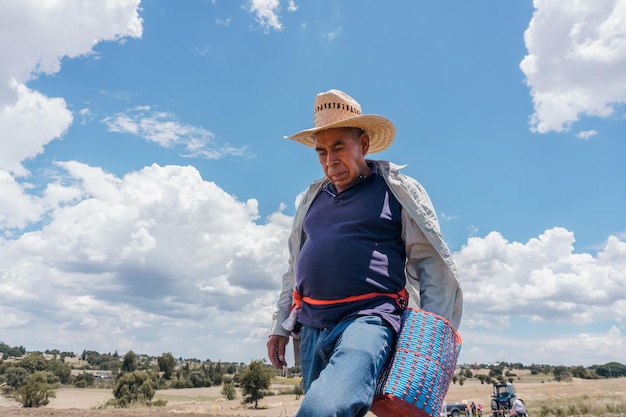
(542, 396)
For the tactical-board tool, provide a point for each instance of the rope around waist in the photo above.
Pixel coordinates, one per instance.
(401, 298)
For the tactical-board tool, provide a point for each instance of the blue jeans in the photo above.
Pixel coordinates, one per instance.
(340, 366)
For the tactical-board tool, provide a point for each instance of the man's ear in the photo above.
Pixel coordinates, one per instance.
(364, 139)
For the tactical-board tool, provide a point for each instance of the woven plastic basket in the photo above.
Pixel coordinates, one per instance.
(418, 374)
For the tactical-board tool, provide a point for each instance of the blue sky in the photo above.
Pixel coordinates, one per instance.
(147, 190)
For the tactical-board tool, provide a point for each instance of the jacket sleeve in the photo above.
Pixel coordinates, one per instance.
(432, 285)
(432, 280)
(285, 300)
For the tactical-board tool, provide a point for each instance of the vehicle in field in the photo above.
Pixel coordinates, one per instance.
(456, 410)
(502, 399)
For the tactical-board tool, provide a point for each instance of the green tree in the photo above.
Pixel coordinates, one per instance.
(198, 379)
(167, 365)
(9, 351)
(53, 352)
(484, 379)
(496, 371)
(84, 380)
(36, 391)
(130, 362)
(15, 376)
(216, 373)
(61, 370)
(611, 370)
(562, 374)
(256, 378)
(35, 362)
(228, 391)
(134, 387)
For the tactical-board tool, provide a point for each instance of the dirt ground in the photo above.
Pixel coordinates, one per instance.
(207, 402)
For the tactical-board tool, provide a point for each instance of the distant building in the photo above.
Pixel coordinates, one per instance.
(103, 374)
(96, 374)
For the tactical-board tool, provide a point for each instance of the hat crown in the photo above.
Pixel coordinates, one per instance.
(335, 109)
(334, 106)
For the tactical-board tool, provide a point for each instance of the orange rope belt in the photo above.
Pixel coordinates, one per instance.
(401, 298)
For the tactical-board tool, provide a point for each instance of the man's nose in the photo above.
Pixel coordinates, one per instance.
(331, 159)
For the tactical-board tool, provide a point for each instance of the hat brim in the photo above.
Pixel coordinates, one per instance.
(379, 129)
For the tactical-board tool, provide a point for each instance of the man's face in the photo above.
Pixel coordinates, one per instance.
(342, 153)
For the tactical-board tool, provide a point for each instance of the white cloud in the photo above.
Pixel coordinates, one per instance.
(41, 33)
(557, 348)
(36, 36)
(514, 293)
(543, 280)
(160, 255)
(224, 22)
(586, 134)
(164, 129)
(266, 12)
(17, 208)
(154, 257)
(331, 36)
(28, 125)
(587, 345)
(575, 62)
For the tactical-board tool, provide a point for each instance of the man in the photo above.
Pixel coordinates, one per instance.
(518, 409)
(364, 239)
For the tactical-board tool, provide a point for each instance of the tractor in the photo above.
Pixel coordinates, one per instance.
(502, 399)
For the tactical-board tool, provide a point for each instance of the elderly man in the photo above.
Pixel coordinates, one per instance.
(365, 242)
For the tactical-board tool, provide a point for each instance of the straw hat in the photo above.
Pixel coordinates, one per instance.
(334, 108)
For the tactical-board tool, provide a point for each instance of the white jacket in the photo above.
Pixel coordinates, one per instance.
(431, 277)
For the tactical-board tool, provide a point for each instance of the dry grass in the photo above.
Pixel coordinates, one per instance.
(543, 396)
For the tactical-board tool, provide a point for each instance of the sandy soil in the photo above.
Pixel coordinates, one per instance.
(207, 402)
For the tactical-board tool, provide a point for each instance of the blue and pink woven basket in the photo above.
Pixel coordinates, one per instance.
(417, 377)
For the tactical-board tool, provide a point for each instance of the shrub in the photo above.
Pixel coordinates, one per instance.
(16, 376)
(228, 391)
(84, 380)
(36, 391)
(134, 387)
(180, 383)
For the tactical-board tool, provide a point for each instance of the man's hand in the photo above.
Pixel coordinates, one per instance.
(276, 350)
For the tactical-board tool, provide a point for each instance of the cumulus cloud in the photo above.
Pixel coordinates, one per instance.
(164, 129)
(17, 208)
(587, 345)
(42, 34)
(557, 348)
(36, 37)
(267, 13)
(159, 251)
(542, 279)
(575, 62)
(30, 123)
(161, 255)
